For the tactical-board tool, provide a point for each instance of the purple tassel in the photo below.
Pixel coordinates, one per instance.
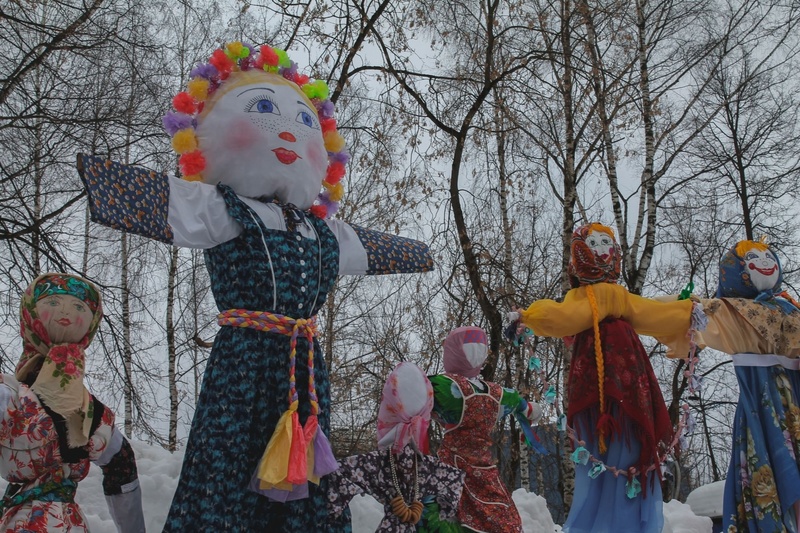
(298, 492)
(324, 461)
(204, 70)
(174, 122)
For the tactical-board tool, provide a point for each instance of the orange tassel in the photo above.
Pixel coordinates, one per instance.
(298, 462)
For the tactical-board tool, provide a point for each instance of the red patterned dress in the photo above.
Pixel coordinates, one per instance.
(486, 505)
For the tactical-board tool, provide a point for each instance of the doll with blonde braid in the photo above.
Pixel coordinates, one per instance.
(615, 405)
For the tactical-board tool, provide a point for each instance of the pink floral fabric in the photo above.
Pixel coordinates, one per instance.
(30, 455)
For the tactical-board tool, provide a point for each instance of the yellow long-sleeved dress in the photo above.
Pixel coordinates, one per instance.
(633, 413)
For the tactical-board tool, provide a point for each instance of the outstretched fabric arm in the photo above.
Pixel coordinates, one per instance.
(152, 204)
(125, 197)
(369, 252)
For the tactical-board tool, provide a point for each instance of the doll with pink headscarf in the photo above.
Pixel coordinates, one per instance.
(468, 408)
(51, 426)
(411, 485)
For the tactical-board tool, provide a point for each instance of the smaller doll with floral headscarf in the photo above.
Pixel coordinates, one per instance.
(51, 427)
(400, 475)
(468, 409)
(756, 322)
(615, 403)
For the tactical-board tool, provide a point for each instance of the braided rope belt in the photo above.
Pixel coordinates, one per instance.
(284, 325)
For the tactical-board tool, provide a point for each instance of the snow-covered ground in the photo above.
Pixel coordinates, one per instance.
(158, 474)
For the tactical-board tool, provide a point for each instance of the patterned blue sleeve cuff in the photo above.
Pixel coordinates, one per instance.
(390, 254)
(125, 197)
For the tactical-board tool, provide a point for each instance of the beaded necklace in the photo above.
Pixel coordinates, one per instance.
(406, 513)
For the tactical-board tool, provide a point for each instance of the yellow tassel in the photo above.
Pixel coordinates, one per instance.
(334, 142)
(184, 141)
(198, 89)
(274, 464)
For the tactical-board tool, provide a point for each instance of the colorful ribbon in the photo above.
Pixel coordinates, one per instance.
(295, 454)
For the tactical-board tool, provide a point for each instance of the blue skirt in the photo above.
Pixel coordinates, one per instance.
(764, 474)
(601, 505)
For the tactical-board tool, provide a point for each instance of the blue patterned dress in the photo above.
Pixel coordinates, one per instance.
(249, 368)
(284, 268)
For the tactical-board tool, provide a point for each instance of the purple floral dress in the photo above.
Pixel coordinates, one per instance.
(370, 473)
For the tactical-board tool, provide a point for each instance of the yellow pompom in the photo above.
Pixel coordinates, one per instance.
(234, 50)
(198, 89)
(334, 142)
(336, 192)
(184, 141)
(194, 177)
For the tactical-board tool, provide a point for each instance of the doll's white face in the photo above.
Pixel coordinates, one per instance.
(601, 244)
(65, 318)
(762, 267)
(476, 353)
(263, 140)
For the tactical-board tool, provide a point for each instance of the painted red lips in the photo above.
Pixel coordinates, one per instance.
(287, 157)
(764, 271)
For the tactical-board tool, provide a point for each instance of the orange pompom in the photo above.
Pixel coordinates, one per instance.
(328, 124)
(194, 177)
(222, 63)
(184, 103)
(192, 163)
(319, 211)
(335, 172)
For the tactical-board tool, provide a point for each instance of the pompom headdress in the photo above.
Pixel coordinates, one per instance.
(206, 78)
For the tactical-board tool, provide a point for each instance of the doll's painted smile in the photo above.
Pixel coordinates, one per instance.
(764, 271)
(65, 322)
(287, 157)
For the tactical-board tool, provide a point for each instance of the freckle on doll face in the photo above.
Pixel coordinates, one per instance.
(66, 318)
(264, 139)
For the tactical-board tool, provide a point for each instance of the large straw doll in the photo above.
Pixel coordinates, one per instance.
(759, 325)
(416, 490)
(51, 426)
(615, 404)
(258, 142)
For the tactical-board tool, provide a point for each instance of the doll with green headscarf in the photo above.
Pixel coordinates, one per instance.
(51, 426)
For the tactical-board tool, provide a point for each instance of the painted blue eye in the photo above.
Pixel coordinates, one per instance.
(265, 106)
(750, 255)
(307, 119)
(262, 104)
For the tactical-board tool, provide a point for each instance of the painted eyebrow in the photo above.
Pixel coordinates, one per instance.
(255, 89)
(306, 106)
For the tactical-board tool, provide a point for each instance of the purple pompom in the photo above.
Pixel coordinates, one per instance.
(339, 157)
(204, 70)
(326, 109)
(174, 122)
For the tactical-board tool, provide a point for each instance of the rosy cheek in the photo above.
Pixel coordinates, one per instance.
(317, 156)
(241, 135)
(45, 316)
